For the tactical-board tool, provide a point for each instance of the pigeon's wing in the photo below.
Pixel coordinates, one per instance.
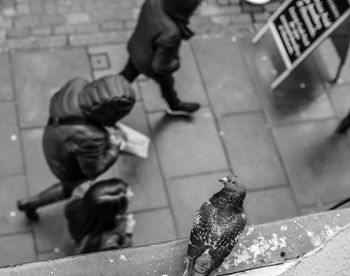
(201, 231)
(228, 240)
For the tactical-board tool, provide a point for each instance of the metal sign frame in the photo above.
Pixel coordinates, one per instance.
(290, 66)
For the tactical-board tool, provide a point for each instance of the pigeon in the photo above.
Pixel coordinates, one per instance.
(216, 228)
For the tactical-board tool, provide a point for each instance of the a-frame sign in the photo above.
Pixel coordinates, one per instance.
(299, 26)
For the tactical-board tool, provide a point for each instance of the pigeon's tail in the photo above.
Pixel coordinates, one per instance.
(190, 271)
(189, 267)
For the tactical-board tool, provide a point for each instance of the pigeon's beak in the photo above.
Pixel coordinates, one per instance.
(223, 180)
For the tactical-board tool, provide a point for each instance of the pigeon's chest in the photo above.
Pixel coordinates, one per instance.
(220, 226)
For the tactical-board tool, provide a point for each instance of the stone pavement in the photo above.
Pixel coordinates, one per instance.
(280, 144)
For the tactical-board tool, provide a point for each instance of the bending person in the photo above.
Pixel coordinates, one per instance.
(76, 142)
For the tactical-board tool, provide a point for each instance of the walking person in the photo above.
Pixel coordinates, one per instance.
(154, 47)
(76, 142)
(96, 216)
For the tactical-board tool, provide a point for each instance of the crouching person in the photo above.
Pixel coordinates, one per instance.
(76, 142)
(96, 216)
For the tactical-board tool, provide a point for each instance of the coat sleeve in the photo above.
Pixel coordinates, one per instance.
(95, 155)
(166, 59)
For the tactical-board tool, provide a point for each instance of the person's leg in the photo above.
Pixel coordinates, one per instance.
(55, 193)
(176, 107)
(130, 72)
(344, 125)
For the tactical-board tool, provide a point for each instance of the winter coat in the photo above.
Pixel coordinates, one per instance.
(154, 45)
(81, 150)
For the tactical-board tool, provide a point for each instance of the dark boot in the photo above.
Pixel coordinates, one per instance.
(344, 125)
(55, 193)
(177, 107)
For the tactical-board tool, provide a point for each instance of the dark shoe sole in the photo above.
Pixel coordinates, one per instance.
(178, 112)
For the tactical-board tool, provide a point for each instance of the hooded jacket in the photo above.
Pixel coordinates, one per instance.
(154, 45)
(81, 149)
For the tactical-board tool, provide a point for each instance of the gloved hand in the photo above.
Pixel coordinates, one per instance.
(118, 141)
(130, 224)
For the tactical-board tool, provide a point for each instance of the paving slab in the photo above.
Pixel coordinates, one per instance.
(183, 144)
(300, 97)
(11, 160)
(225, 76)
(317, 162)
(252, 150)
(143, 175)
(17, 249)
(329, 62)
(39, 74)
(340, 98)
(51, 233)
(270, 205)
(188, 83)
(39, 176)
(12, 188)
(54, 254)
(109, 60)
(6, 90)
(153, 227)
(187, 195)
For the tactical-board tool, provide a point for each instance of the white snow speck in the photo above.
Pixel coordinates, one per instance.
(284, 228)
(123, 258)
(13, 214)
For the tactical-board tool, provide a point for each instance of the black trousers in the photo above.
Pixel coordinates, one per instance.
(165, 82)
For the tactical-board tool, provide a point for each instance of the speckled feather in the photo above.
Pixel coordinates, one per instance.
(213, 236)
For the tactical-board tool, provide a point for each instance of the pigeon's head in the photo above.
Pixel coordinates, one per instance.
(232, 194)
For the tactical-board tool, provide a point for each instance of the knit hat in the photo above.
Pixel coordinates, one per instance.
(180, 9)
(107, 100)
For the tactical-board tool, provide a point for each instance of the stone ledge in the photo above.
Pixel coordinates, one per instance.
(259, 246)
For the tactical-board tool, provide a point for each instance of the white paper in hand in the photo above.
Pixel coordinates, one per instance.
(136, 143)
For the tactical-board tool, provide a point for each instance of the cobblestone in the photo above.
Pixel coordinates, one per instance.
(112, 25)
(5, 23)
(22, 8)
(78, 18)
(36, 6)
(53, 19)
(27, 21)
(87, 28)
(42, 31)
(64, 29)
(97, 38)
(18, 32)
(261, 17)
(242, 19)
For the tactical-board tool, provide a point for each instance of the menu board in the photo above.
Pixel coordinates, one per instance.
(302, 23)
